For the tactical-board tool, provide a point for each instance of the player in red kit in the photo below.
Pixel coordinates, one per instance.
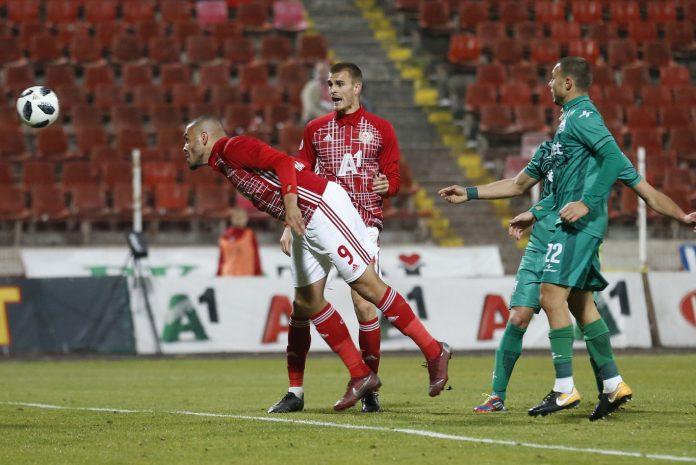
(358, 151)
(327, 231)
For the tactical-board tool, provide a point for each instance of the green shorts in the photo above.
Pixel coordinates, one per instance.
(572, 260)
(525, 293)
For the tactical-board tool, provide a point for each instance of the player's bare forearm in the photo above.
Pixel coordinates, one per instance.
(502, 189)
(659, 201)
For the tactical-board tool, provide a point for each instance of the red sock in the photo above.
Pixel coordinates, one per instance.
(369, 339)
(331, 327)
(299, 341)
(399, 313)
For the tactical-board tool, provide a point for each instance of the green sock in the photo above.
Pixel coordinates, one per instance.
(599, 346)
(598, 379)
(562, 350)
(506, 356)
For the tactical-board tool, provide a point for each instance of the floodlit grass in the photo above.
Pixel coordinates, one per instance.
(660, 420)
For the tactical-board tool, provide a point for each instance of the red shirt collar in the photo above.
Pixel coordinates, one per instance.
(353, 119)
(218, 148)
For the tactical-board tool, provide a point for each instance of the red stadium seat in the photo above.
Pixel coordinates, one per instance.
(122, 201)
(635, 76)
(148, 29)
(678, 177)
(211, 12)
(527, 31)
(689, 9)
(70, 96)
(10, 50)
(83, 116)
(253, 17)
(202, 178)
(6, 176)
(85, 51)
(525, 73)
(650, 139)
(545, 51)
(290, 136)
(512, 12)
(471, 14)
(612, 113)
(48, 204)
(212, 201)
(116, 171)
(129, 139)
(491, 73)
(222, 95)
(238, 117)
(96, 75)
(434, 17)
(135, 74)
(174, 73)
(276, 115)
(159, 172)
(624, 12)
(463, 49)
(675, 75)
(312, 48)
(549, 12)
(263, 95)
(496, 120)
(176, 10)
(12, 204)
(22, 11)
(276, 48)
(12, 145)
(106, 96)
(656, 168)
(289, 16)
(292, 71)
(126, 48)
(217, 74)
(38, 173)
(78, 172)
(184, 95)
(171, 201)
(124, 116)
(679, 35)
(18, 78)
(657, 54)
(52, 143)
(106, 30)
(515, 93)
(602, 33)
(88, 202)
(603, 75)
(489, 33)
(184, 29)
(252, 74)
(622, 52)
(44, 48)
(508, 51)
(59, 74)
(201, 49)
(642, 31)
(588, 49)
(238, 50)
(88, 138)
(135, 12)
(661, 12)
(530, 118)
(684, 94)
(170, 139)
(641, 118)
(61, 11)
(564, 32)
(163, 50)
(587, 12)
(676, 116)
(656, 96)
(478, 95)
(99, 11)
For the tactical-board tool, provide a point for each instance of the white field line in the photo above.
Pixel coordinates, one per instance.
(413, 432)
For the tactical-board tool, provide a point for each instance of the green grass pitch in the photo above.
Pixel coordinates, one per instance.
(660, 421)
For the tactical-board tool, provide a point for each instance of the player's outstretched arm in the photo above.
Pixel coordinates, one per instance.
(662, 203)
(503, 189)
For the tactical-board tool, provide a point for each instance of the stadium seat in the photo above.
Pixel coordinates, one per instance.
(278, 114)
(463, 49)
(12, 204)
(656, 168)
(684, 94)
(650, 139)
(530, 118)
(125, 116)
(661, 11)
(549, 12)
(222, 95)
(657, 54)
(116, 170)
(18, 77)
(478, 95)
(59, 74)
(289, 137)
(21, 11)
(312, 48)
(252, 74)
(682, 143)
(12, 145)
(184, 94)
(100, 11)
(52, 143)
(292, 71)
(496, 120)
(289, 16)
(212, 201)
(135, 74)
(515, 93)
(588, 49)
(175, 10)
(253, 17)
(101, 154)
(622, 52)
(201, 49)
(224, 31)
(197, 178)
(275, 48)
(491, 73)
(126, 48)
(587, 12)
(263, 95)
(38, 173)
(10, 51)
(47, 204)
(78, 172)
(183, 29)
(689, 9)
(162, 50)
(676, 116)
(656, 96)
(83, 116)
(512, 12)
(434, 17)
(678, 177)
(211, 12)
(564, 32)
(612, 113)
(489, 33)
(217, 74)
(635, 76)
(6, 176)
(158, 172)
(137, 11)
(129, 139)
(88, 202)
(106, 96)
(238, 50)
(545, 51)
(507, 51)
(638, 118)
(43, 48)
(148, 29)
(96, 75)
(674, 75)
(88, 138)
(70, 95)
(85, 51)
(471, 14)
(122, 201)
(624, 12)
(679, 35)
(525, 73)
(238, 117)
(174, 73)
(603, 75)
(61, 11)
(527, 31)
(602, 33)
(642, 31)
(171, 202)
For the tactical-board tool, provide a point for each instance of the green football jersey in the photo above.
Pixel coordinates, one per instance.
(580, 135)
(539, 167)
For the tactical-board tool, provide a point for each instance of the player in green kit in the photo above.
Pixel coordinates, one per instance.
(524, 302)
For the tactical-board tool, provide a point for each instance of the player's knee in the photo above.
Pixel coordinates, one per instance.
(365, 311)
(302, 307)
(550, 302)
(521, 318)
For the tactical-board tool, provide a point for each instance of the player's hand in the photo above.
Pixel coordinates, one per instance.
(286, 240)
(454, 194)
(293, 215)
(690, 220)
(380, 184)
(573, 211)
(520, 223)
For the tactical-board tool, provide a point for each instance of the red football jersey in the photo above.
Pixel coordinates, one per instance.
(350, 150)
(263, 175)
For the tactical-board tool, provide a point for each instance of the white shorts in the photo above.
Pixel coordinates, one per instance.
(336, 235)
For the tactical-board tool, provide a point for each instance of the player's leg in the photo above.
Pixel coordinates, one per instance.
(613, 391)
(369, 341)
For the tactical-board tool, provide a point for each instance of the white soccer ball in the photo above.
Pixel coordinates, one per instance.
(38, 106)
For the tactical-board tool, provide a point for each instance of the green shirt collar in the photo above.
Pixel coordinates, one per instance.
(575, 101)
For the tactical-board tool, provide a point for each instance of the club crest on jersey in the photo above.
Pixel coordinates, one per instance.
(366, 137)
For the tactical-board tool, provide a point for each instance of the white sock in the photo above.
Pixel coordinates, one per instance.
(611, 384)
(297, 390)
(564, 385)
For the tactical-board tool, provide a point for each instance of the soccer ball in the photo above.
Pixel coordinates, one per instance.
(38, 106)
